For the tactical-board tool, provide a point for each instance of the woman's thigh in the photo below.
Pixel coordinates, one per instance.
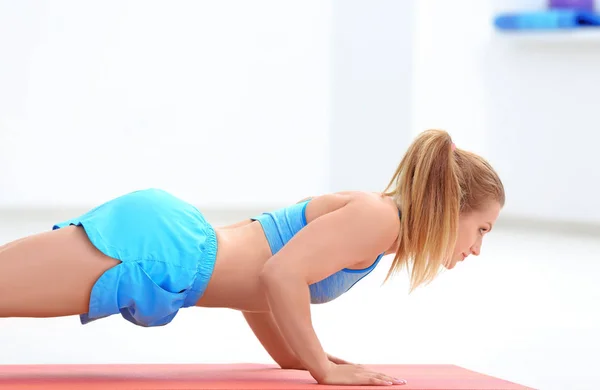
(50, 274)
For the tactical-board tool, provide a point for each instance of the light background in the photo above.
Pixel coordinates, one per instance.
(241, 106)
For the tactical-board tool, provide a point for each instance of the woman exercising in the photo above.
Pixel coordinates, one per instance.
(148, 254)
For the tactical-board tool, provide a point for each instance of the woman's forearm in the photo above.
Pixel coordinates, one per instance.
(289, 300)
(268, 334)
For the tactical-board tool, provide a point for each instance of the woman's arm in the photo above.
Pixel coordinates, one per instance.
(266, 331)
(361, 228)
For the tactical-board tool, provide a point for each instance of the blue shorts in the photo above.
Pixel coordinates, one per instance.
(167, 252)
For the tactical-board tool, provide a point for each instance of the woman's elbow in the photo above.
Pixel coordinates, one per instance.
(275, 277)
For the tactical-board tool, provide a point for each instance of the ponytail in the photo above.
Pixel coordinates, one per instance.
(426, 189)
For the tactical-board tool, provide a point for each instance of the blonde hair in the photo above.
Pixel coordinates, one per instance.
(433, 184)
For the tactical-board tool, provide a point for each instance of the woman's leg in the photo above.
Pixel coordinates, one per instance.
(4, 246)
(50, 274)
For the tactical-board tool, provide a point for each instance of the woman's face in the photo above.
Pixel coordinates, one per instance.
(472, 227)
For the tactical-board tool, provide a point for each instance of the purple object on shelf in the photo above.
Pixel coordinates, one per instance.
(587, 5)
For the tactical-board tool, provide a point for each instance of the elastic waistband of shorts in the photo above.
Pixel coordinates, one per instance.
(206, 265)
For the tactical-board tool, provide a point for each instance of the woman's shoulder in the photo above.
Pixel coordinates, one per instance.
(362, 201)
(346, 228)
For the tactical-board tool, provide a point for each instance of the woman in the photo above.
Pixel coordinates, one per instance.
(148, 254)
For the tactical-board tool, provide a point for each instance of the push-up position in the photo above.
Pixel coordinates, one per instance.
(147, 254)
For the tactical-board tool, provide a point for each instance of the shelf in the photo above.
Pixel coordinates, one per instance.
(587, 35)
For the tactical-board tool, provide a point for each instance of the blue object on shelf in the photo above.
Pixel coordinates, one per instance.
(546, 20)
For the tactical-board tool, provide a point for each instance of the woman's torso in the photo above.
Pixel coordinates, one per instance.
(243, 250)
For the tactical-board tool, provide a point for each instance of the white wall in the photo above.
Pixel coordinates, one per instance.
(371, 106)
(528, 105)
(197, 97)
(193, 96)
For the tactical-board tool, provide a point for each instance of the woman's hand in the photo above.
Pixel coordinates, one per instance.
(337, 360)
(352, 374)
(298, 366)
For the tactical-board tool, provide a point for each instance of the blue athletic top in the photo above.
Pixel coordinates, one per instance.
(282, 224)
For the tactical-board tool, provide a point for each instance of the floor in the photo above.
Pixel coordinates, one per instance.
(526, 310)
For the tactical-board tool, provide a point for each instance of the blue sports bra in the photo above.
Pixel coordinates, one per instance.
(282, 224)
